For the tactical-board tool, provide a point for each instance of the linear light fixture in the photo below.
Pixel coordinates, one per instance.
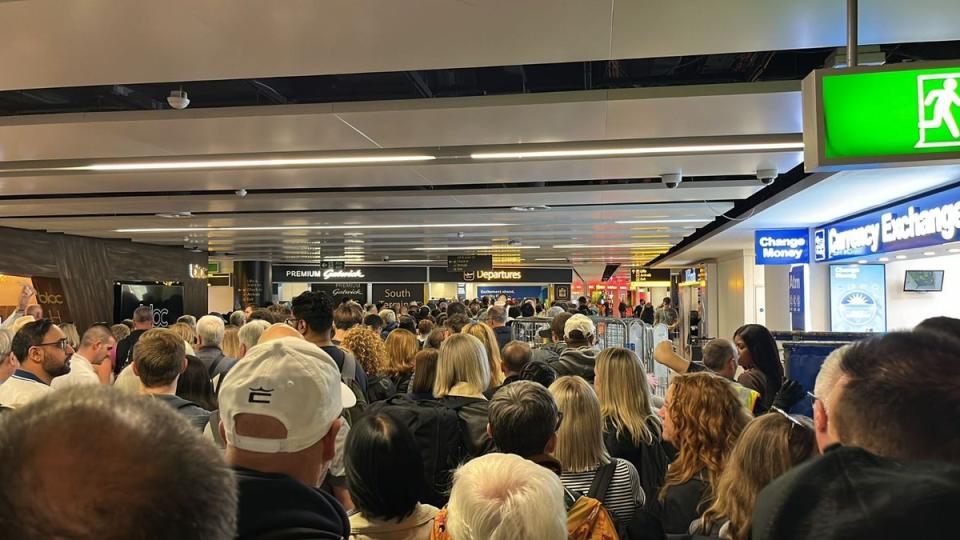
(552, 259)
(310, 227)
(589, 246)
(473, 248)
(247, 163)
(658, 221)
(639, 151)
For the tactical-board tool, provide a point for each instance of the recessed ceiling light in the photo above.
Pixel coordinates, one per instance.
(901, 257)
(657, 221)
(472, 248)
(354, 241)
(312, 227)
(548, 259)
(929, 253)
(862, 261)
(884, 259)
(535, 208)
(954, 250)
(633, 151)
(589, 246)
(173, 165)
(412, 260)
(175, 215)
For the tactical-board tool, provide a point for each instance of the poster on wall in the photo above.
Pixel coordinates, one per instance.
(518, 293)
(166, 300)
(858, 298)
(797, 306)
(338, 291)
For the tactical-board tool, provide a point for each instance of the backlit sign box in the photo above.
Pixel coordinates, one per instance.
(928, 220)
(902, 114)
(782, 246)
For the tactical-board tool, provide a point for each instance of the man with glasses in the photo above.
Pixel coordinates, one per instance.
(95, 346)
(44, 353)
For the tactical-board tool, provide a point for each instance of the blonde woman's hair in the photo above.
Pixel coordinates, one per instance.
(73, 336)
(367, 347)
(580, 445)
(185, 331)
(707, 418)
(401, 346)
(624, 394)
(503, 497)
(489, 339)
(770, 446)
(463, 364)
(231, 342)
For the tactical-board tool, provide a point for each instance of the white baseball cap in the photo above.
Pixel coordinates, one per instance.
(580, 323)
(288, 379)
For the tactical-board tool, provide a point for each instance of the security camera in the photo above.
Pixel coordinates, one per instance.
(460, 235)
(767, 176)
(178, 100)
(671, 180)
(241, 192)
(386, 258)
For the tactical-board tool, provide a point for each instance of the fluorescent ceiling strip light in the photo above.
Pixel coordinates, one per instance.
(310, 227)
(658, 221)
(473, 248)
(578, 246)
(561, 259)
(681, 149)
(244, 163)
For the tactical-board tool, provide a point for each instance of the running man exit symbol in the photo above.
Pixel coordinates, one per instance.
(939, 107)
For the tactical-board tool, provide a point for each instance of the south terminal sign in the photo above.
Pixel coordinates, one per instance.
(928, 220)
(907, 113)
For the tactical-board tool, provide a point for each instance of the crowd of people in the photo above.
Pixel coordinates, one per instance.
(328, 419)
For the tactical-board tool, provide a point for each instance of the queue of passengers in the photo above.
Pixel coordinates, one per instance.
(333, 420)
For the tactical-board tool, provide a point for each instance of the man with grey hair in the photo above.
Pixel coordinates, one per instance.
(188, 320)
(95, 346)
(237, 318)
(496, 318)
(823, 390)
(8, 361)
(250, 334)
(210, 330)
(142, 321)
(719, 356)
(523, 420)
(144, 466)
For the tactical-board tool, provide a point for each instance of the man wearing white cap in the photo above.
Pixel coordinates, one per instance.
(580, 355)
(280, 408)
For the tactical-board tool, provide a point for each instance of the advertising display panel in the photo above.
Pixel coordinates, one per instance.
(858, 298)
(166, 299)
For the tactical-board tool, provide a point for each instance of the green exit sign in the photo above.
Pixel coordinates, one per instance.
(904, 114)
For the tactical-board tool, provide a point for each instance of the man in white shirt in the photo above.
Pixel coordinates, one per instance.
(95, 346)
(44, 353)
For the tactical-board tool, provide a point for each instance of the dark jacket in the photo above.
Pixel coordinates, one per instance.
(276, 502)
(338, 356)
(473, 416)
(683, 504)
(402, 382)
(849, 493)
(649, 460)
(215, 361)
(125, 351)
(504, 335)
(389, 328)
(550, 352)
(578, 361)
(197, 415)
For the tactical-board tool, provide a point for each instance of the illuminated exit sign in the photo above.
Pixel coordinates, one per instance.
(904, 114)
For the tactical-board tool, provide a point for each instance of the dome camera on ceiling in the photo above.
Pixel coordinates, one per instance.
(671, 180)
(767, 176)
(178, 100)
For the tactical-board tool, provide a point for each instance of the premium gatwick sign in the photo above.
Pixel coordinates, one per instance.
(304, 273)
(870, 115)
(928, 220)
(782, 246)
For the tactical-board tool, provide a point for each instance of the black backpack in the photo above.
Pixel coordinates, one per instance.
(436, 429)
(380, 387)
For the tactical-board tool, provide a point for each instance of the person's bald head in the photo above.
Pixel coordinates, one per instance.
(278, 331)
(118, 448)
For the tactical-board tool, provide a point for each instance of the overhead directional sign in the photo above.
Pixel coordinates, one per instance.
(782, 246)
(906, 113)
(469, 263)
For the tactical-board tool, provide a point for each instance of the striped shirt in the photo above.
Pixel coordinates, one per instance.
(623, 496)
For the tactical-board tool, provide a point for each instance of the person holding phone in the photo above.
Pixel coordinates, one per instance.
(24, 308)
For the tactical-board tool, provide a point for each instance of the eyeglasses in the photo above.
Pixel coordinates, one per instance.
(61, 344)
(793, 420)
(291, 322)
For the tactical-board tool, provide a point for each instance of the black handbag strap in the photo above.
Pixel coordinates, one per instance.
(601, 481)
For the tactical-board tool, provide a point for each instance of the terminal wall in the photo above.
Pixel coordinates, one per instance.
(907, 309)
(87, 268)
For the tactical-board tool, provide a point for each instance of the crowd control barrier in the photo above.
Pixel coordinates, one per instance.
(527, 329)
(804, 353)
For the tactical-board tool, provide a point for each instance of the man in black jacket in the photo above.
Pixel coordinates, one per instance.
(142, 321)
(280, 410)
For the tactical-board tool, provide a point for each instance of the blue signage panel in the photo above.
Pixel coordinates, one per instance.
(782, 246)
(858, 298)
(797, 307)
(514, 292)
(924, 221)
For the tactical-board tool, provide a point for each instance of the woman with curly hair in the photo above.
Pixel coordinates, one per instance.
(770, 446)
(401, 347)
(702, 417)
(368, 348)
(489, 339)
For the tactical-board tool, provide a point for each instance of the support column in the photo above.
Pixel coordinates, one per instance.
(253, 283)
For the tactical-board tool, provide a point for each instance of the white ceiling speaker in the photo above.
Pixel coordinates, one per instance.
(178, 99)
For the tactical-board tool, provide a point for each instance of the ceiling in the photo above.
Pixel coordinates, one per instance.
(412, 210)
